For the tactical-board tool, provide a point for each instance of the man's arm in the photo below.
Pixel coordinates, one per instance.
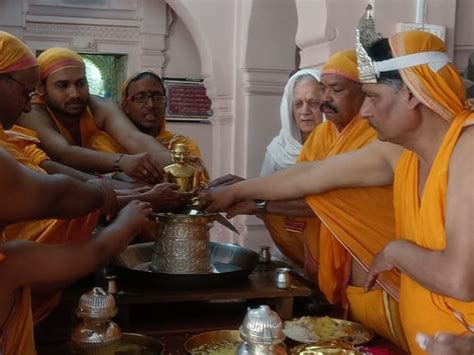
(370, 166)
(46, 263)
(30, 195)
(60, 150)
(119, 127)
(292, 208)
(449, 271)
(52, 167)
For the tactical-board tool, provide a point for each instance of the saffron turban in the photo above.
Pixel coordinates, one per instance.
(14, 54)
(57, 58)
(342, 63)
(441, 91)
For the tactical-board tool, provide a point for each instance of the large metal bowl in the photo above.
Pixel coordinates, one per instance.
(231, 264)
(212, 337)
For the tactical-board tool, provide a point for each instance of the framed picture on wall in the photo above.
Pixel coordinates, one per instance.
(187, 99)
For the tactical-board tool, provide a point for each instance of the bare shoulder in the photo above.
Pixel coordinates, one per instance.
(462, 153)
(102, 109)
(37, 118)
(388, 152)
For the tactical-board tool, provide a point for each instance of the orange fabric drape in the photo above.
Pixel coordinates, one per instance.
(356, 222)
(102, 142)
(22, 148)
(424, 224)
(295, 245)
(17, 337)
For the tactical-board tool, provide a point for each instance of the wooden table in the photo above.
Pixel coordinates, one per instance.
(259, 285)
(174, 316)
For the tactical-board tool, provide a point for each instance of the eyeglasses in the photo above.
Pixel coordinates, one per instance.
(143, 97)
(31, 94)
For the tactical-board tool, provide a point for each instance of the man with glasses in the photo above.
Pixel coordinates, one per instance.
(143, 100)
(66, 117)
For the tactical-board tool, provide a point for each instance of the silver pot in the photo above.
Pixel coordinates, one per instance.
(262, 332)
(182, 244)
(96, 334)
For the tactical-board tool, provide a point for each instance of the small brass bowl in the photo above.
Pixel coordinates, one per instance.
(206, 338)
(332, 347)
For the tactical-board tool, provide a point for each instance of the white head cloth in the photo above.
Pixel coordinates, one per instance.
(286, 146)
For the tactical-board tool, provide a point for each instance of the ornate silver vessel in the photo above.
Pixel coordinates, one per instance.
(262, 333)
(97, 334)
(182, 244)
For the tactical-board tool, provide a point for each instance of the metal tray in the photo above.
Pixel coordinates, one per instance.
(231, 264)
(131, 343)
(325, 347)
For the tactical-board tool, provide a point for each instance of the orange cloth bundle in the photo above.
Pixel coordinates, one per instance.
(17, 337)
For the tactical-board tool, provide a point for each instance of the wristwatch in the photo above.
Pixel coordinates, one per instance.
(261, 206)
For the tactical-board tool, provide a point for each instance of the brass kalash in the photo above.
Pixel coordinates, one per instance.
(182, 241)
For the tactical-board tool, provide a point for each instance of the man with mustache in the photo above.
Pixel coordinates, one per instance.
(355, 224)
(65, 117)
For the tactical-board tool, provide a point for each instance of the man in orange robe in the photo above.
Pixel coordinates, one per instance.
(415, 99)
(142, 99)
(355, 224)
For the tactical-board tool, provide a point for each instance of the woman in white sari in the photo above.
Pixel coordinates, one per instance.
(300, 114)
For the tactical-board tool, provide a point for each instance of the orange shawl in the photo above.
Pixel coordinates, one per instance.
(296, 238)
(356, 222)
(17, 337)
(20, 143)
(21, 146)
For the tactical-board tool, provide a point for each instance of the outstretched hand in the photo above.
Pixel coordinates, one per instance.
(380, 263)
(166, 197)
(446, 344)
(228, 179)
(142, 167)
(129, 222)
(217, 199)
(243, 207)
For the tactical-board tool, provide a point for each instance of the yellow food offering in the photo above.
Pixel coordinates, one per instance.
(312, 329)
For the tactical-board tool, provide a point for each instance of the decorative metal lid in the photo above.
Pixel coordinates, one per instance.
(96, 304)
(262, 326)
